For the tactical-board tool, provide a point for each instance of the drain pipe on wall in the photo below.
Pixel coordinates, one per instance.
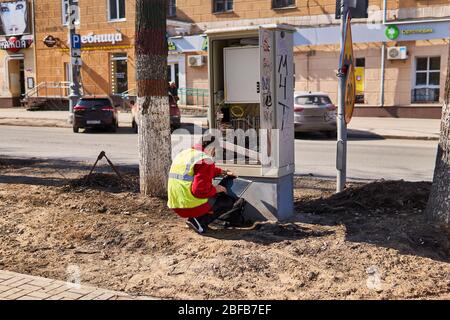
(383, 59)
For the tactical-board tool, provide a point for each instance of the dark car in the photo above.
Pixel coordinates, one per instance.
(95, 113)
(175, 116)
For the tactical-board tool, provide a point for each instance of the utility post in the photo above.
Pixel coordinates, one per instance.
(75, 56)
(341, 161)
(346, 10)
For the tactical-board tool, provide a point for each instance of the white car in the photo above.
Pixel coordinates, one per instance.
(314, 112)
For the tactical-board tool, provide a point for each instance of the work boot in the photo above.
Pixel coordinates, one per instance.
(195, 225)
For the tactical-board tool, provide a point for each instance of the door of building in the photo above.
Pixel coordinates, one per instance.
(119, 73)
(173, 73)
(22, 78)
(360, 66)
(16, 72)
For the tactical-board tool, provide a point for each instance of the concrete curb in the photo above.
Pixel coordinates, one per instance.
(54, 123)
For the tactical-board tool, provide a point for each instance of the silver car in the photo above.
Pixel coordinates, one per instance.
(313, 112)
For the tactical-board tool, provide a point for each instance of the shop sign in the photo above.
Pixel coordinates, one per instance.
(102, 38)
(392, 32)
(172, 46)
(205, 44)
(14, 44)
(50, 41)
(417, 31)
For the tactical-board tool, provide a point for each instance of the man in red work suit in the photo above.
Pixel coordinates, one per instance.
(218, 200)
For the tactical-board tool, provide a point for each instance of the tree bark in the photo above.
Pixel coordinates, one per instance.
(153, 102)
(438, 207)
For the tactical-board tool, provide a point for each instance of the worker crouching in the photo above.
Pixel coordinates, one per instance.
(192, 193)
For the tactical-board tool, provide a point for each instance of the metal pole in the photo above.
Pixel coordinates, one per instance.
(341, 163)
(74, 96)
(383, 66)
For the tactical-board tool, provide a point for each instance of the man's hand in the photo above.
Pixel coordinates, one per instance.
(220, 189)
(230, 174)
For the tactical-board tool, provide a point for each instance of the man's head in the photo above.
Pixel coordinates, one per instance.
(13, 17)
(172, 84)
(208, 145)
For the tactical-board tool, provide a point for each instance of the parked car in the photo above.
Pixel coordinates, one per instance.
(175, 115)
(314, 111)
(95, 113)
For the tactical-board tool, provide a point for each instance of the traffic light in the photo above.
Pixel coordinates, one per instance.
(358, 8)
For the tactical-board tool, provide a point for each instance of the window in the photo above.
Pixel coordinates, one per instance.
(64, 14)
(172, 10)
(116, 10)
(312, 100)
(222, 5)
(427, 79)
(276, 4)
(119, 73)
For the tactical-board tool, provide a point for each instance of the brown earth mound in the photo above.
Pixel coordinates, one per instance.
(380, 196)
(104, 181)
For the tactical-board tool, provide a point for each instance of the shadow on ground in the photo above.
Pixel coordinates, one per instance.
(353, 135)
(383, 213)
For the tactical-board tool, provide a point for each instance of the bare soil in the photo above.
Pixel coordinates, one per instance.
(370, 242)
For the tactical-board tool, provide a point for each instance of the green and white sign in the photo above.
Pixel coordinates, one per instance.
(392, 32)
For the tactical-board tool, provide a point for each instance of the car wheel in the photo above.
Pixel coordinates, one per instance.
(76, 129)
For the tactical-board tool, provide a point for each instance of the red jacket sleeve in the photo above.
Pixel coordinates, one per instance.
(202, 186)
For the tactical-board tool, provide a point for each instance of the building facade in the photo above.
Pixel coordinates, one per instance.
(17, 58)
(410, 84)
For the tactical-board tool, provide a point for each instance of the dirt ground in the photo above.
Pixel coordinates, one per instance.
(371, 242)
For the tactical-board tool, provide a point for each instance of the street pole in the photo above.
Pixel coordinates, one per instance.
(72, 12)
(341, 163)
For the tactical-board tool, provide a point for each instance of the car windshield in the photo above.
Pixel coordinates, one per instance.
(312, 100)
(94, 103)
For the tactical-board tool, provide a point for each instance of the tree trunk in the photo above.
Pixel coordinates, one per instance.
(438, 207)
(153, 101)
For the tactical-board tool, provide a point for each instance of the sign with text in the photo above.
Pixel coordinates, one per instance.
(15, 44)
(75, 41)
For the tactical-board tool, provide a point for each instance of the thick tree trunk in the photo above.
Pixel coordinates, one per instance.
(153, 101)
(438, 207)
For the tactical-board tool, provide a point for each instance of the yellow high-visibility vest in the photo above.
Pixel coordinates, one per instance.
(181, 177)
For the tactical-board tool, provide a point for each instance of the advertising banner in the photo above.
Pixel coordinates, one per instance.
(14, 18)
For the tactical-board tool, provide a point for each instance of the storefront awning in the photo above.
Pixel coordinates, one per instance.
(362, 33)
(365, 33)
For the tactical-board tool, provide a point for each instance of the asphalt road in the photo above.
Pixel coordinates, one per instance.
(368, 159)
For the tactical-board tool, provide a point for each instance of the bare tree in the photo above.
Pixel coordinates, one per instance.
(438, 207)
(152, 101)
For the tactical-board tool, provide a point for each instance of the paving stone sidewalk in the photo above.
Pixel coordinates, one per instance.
(15, 286)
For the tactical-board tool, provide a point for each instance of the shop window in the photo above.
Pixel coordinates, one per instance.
(172, 10)
(360, 64)
(116, 10)
(426, 80)
(64, 13)
(222, 6)
(277, 4)
(119, 73)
